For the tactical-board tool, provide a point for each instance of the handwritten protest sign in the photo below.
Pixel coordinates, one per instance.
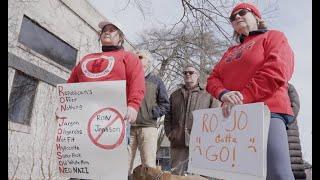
(233, 147)
(90, 139)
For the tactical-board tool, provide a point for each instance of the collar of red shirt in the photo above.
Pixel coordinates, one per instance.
(259, 31)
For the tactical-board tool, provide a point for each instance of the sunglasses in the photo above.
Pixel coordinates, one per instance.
(188, 72)
(242, 12)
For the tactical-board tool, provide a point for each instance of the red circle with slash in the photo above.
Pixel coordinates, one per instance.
(117, 117)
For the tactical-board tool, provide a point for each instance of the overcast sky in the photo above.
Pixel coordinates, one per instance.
(293, 18)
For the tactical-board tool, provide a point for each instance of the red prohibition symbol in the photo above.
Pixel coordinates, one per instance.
(100, 136)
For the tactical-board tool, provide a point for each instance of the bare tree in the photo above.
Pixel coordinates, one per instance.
(215, 13)
(173, 49)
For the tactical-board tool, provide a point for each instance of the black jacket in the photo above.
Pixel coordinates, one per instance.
(295, 101)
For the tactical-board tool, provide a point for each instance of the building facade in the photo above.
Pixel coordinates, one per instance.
(46, 38)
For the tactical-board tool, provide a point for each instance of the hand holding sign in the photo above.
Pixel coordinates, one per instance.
(131, 114)
(234, 97)
(226, 108)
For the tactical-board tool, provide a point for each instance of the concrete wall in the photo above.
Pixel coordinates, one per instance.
(31, 148)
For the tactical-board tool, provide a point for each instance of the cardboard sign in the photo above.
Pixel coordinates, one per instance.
(90, 139)
(233, 147)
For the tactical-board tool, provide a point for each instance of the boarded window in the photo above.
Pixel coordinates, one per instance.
(45, 43)
(21, 98)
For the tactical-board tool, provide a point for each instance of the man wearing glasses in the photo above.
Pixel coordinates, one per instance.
(178, 122)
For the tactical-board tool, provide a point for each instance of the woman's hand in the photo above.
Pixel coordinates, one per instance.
(234, 97)
(226, 109)
(131, 114)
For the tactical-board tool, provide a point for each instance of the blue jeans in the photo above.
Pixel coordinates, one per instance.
(278, 157)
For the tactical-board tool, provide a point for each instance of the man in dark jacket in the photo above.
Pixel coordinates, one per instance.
(178, 122)
(144, 133)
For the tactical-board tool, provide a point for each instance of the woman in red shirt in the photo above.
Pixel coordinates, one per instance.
(258, 70)
(113, 63)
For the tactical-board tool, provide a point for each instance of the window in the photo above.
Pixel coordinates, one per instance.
(21, 98)
(45, 43)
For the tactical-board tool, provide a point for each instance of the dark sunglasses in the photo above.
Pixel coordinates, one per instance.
(188, 72)
(242, 12)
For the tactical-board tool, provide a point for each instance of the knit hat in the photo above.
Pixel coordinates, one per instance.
(249, 6)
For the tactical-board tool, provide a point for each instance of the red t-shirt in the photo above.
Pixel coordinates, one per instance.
(113, 65)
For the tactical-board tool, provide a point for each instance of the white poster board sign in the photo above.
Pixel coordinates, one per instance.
(230, 148)
(90, 139)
